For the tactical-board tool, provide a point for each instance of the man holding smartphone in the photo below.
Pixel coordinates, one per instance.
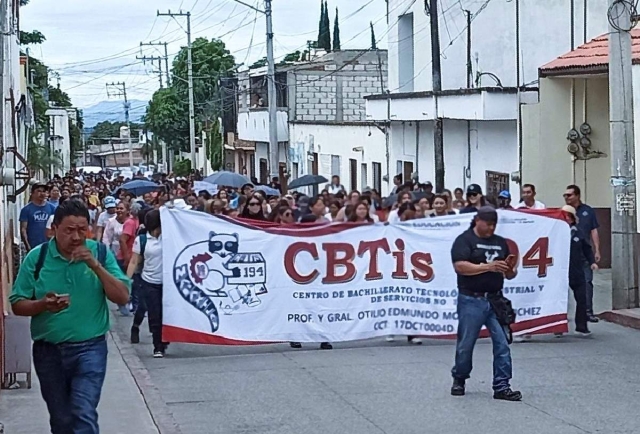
(64, 285)
(482, 261)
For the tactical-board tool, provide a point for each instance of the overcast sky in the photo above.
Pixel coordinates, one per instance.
(90, 43)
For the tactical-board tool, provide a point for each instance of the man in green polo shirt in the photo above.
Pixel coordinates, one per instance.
(64, 286)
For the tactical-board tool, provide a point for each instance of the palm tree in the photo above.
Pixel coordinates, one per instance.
(40, 159)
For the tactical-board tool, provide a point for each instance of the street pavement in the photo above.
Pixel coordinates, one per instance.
(122, 408)
(570, 385)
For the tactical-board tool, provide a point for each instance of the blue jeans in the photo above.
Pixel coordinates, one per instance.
(473, 313)
(71, 377)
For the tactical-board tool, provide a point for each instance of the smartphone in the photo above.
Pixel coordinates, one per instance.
(65, 298)
(511, 260)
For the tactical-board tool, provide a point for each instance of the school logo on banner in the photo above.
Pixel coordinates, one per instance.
(215, 277)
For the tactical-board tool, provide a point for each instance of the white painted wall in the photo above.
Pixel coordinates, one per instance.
(253, 126)
(262, 152)
(328, 140)
(545, 33)
(493, 148)
(60, 127)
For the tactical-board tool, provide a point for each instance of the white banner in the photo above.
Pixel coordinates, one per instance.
(228, 282)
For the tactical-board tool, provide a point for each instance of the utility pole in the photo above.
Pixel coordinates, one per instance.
(3, 36)
(121, 90)
(271, 88)
(192, 115)
(152, 59)
(438, 136)
(624, 273)
(166, 57)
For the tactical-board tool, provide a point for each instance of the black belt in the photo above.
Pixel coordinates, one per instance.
(479, 294)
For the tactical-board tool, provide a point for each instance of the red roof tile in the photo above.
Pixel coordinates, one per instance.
(592, 55)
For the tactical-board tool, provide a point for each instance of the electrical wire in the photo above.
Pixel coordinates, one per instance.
(618, 10)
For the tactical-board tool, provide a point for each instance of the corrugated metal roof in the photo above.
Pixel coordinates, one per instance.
(592, 55)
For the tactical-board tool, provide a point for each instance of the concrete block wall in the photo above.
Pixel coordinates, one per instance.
(336, 91)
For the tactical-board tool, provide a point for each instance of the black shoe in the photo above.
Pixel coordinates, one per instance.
(158, 354)
(135, 335)
(508, 395)
(295, 345)
(458, 387)
(583, 331)
(593, 319)
(326, 346)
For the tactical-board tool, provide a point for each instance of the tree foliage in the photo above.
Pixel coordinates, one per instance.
(34, 37)
(168, 111)
(336, 33)
(214, 146)
(374, 45)
(181, 167)
(107, 129)
(324, 32)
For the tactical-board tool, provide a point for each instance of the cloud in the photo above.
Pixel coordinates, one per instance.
(90, 42)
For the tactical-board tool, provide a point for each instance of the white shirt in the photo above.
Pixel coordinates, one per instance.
(111, 235)
(536, 205)
(104, 218)
(335, 189)
(152, 269)
(49, 222)
(393, 216)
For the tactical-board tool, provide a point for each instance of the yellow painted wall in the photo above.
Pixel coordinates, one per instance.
(545, 160)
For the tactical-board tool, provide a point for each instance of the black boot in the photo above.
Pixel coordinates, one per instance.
(135, 334)
(326, 346)
(295, 345)
(458, 387)
(508, 395)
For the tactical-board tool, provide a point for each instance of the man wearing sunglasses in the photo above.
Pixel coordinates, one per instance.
(587, 222)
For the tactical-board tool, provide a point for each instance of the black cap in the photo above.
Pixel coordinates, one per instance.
(474, 189)
(428, 184)
(38, 185)
(487, 214)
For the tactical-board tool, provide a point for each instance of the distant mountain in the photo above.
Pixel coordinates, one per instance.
(113, 111)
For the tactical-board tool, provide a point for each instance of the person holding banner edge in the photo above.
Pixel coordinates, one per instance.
(482, 261)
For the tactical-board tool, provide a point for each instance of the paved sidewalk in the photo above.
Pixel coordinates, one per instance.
(122, 408)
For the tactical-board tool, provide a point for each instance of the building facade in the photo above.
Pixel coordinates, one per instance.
(489, 53)
(322, 123)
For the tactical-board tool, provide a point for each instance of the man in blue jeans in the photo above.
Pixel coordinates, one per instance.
(64, 285)
(482, 261)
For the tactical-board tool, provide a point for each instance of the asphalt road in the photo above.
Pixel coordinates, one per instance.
(570, 385)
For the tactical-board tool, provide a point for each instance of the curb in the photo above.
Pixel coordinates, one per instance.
(624, 317)
(160, 413)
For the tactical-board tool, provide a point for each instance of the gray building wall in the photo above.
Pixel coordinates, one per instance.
(333, 87)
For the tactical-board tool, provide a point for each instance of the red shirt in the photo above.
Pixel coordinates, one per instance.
(130, 228)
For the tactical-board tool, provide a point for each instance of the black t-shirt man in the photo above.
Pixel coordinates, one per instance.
(469, 247)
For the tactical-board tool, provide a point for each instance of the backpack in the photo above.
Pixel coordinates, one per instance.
(143, 244)
(42, 255)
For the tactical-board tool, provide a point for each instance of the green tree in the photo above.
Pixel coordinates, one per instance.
(34, 37)
(107, 129)
(40, 158)
(168, 111)
(258, 63)
(374, 45)
(324, 34)
(336, 33)
(181, 167)
(214, 146)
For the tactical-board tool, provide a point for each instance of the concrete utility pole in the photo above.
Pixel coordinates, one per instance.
(623, 221)
(166, 57)
(271, 89)
(192, 115)
(438, 136)
(121, 90)
(152, 59)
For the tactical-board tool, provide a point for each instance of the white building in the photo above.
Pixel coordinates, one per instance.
(483, 84)
(60, 139)
(322, 124)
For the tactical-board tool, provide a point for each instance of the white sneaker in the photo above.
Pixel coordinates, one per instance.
(522, 338)
(389, 338)
(416, 341)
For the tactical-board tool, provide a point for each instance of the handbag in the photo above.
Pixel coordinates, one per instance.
(504, 311)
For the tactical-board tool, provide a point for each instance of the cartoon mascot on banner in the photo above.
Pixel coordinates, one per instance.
(213, 276)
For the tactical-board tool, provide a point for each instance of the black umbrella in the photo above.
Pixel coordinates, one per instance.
(307, 180)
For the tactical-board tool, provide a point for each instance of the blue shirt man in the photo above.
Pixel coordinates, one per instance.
(34, 216)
